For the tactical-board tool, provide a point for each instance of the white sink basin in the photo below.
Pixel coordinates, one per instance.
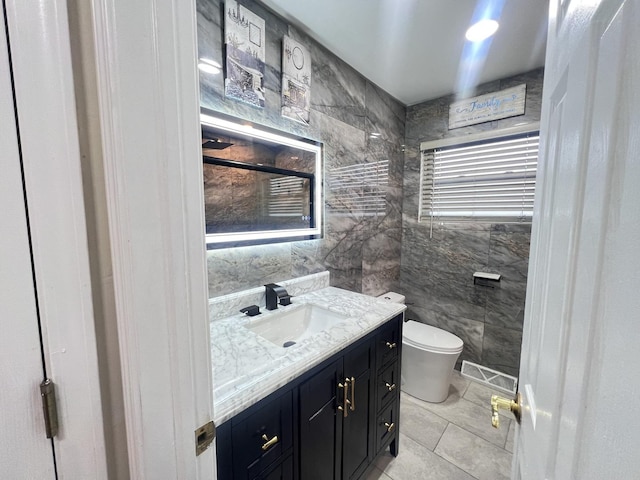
(294, 323)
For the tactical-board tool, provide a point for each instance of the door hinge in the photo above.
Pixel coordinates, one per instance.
(204, 437)
(49, 407)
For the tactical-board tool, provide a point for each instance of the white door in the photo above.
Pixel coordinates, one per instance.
(25, 452)
(580, 369)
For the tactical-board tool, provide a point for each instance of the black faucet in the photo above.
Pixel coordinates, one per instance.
(274, 293)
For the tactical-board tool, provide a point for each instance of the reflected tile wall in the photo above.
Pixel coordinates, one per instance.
(436, 273)
(361, 252)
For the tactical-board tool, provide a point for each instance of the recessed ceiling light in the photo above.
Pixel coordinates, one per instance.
(481, 30)
(209, 66)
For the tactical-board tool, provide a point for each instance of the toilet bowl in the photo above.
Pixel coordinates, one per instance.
(428, 357)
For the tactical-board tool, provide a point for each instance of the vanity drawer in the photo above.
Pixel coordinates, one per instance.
(255, 445)
(388, 342)
(387, 426)
(281, 471)
(387, 384)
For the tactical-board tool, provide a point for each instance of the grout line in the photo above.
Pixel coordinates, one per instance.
(441, 435)
(383, 473)
(449, 461)
(465, 388)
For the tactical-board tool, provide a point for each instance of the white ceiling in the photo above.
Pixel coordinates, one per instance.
(414, 49)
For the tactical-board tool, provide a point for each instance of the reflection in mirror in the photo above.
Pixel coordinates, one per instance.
(259, 186)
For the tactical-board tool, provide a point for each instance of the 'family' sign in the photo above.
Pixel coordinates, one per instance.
(485, 108)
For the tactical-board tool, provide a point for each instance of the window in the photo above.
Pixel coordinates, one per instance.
(490, 180)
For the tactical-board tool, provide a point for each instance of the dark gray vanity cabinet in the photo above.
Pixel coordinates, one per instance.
(251, 445)
(319, 424)
(357, 439)
(387, 386)
(330, 423)
(336, 438)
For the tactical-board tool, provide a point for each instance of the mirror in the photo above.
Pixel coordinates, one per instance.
(260, 186)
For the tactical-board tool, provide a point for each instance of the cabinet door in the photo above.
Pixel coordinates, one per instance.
(389, 341)
(387, 427)
(282, 471)
(387, 384)
(262, 438)
(321, 425)
(357, 436)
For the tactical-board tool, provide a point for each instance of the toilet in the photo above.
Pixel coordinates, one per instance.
(428, 357)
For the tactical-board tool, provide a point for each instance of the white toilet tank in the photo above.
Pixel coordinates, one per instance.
(428, 357)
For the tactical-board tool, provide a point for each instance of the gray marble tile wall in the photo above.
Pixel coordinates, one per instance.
(362, 252)
(436, 274)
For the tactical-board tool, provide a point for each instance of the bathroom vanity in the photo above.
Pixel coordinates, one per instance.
(324, 407)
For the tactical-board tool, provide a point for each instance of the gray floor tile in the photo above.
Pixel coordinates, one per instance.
(510, 437)
(420, 424)
(474, 455)
(459, 384)
(468, 415)
(481, 394)
(377, 474)
(414, 462)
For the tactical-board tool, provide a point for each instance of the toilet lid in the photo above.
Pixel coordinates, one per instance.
(431, 338)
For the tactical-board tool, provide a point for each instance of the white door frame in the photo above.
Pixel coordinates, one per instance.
(44, 96)
(145, 62)
(148, 110)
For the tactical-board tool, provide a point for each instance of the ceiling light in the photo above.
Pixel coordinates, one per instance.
(481, 30)
(209, 66)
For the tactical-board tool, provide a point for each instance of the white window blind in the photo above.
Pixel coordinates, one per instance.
(489, 181)
(360, 189)
(286, 197)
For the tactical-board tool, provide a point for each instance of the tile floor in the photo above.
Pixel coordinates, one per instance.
(453, 440)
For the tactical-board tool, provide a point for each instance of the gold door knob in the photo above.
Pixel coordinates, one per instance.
(497, 403)
(391, 387)
(269, 442)
(390, 345)
(390, 426)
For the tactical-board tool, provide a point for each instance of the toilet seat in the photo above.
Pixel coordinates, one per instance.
(430, 338)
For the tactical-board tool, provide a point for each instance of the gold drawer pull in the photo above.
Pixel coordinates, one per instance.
(269, 443)
(345, 400)
(352, 403)
(391, 345)
(390, 426)
(391, 387)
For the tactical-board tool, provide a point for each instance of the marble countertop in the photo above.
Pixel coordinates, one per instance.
(247, 368)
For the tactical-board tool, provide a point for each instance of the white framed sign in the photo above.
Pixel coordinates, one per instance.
(296, 81)
(488, 107)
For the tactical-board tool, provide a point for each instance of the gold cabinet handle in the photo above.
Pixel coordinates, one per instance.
(390, 387)
(269, 442)
(352, 402)
(391, 345)
(497, 403)
(390, 426)
(345, 400)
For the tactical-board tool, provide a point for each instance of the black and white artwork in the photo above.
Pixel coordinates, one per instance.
(245, 42)
(296, 81)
